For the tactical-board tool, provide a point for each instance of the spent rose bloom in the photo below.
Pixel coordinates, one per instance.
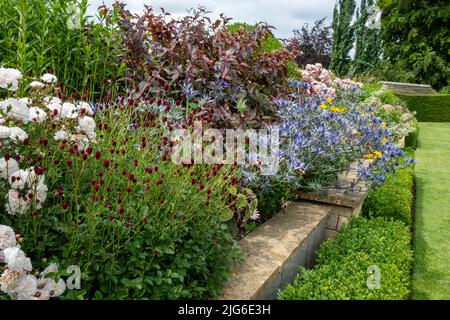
(49, 78)
(9, 78)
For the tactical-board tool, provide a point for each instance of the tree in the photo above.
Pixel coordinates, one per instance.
(314, 42)
(416, 40)
(368, 39)
(343, 36)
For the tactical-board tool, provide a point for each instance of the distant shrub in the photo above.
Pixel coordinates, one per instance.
(343, 262)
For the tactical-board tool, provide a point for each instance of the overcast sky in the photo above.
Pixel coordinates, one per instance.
(284, 15)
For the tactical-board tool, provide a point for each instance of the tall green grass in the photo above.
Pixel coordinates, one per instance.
(36, 38)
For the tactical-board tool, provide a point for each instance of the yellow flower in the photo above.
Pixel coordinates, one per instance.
(329, 100)
(337, 109)
(384, 140)
(369, 156)
(323, 106)
(383, 125)
(377, 154)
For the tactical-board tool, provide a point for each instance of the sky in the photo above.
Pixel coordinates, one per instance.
(284, 15)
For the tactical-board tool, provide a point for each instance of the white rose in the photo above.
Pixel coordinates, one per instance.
(18, 134)
(15, 203)
(7, 237)
(36, 85)
(16, 109)
(87, 124)
(85, 106)
(20, 178)
(16, 260)
(9, 78)
(69, 111)
(37, 114)
(7, 168)
(61, 135)
(49, 78)
(27, 288)
(5, 132)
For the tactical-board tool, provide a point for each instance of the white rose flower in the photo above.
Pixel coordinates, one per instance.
(7, 237)
(18, 134)
(15, 203)
(5, 132)
(20, 178)
(61, 135)
(69, 111)
(16, 260)
(51, 288)
(7, 168)
(9, 78)
(49, 78)
(87, 124)
(84, 105)
(16, 109)
(55, 100)
(37, 115)
(27, 288)
(36, 85)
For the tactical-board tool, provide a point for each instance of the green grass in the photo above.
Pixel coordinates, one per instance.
(431, 278)
(429, 107)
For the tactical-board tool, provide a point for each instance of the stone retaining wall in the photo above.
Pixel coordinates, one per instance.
(273, 252)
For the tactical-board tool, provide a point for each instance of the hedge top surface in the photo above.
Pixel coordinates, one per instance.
(429, 107)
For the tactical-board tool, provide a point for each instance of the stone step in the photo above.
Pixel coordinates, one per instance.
(273, 252)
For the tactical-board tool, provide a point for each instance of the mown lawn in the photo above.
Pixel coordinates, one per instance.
(431, 278)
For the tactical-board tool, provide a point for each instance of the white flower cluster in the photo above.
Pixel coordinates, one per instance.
(16, 279)
(9, 79)
(28, 189)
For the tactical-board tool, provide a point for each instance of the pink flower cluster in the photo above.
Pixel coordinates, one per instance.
(322, 84)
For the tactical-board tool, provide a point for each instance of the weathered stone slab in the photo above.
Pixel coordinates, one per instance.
(273, 252)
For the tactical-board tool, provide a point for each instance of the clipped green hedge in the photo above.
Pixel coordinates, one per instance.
(411, 139)
(394, 199)
(429, 107)
(343, 261)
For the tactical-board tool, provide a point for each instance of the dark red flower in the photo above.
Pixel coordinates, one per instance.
(64, 205)
(97, 155)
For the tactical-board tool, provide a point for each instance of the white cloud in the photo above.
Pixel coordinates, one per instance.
(284, 15)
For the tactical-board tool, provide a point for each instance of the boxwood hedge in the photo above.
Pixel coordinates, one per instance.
(345, 261)
(394, 199)
(429, 107)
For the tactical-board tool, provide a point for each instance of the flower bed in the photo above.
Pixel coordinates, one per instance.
(94, 186)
